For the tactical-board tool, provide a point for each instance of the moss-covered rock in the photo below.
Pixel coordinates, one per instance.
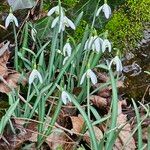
(128, 23)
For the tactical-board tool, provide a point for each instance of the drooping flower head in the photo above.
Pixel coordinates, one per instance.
(67, 49)
(90, 74)
(62, 20)
(35, 74)
(94, 43)
(11, 18)
(106, 9)
(106, 44)
(117, 62)
(65, 97)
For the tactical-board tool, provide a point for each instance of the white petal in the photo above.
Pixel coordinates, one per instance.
(97, 44)
(55, 21)
(82, 79)
(92, 75)
(107, 10)
(7, 21)
(35, 74)
(67, 48)
(51, 11)
(70, 23)
(65, 97)
(118, 63)
(106, 44)
(15, 20)
(99, 10)
(61, 23)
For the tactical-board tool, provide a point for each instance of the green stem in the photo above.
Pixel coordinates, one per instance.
(52, 123)
(16, 47)
(110, 138)
(88, 97)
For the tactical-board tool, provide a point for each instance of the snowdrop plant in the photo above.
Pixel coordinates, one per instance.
(106, 9)
(35, 74)
(11, 18)
(117, 62)
(62, 20)
(94, 43)
(106, 44)
(90, 75)
(65, 97)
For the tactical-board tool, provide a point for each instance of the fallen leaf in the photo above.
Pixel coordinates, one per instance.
(98, 134)
(125, 132)
(98, 101)
(9, 78)
(12, 81)
(77, 123)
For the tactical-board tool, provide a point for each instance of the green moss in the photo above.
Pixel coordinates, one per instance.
(70, 3)
(127, 24)
(80, 30)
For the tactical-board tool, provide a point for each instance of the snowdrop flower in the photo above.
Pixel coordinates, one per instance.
(94, 43)
(35, 74)
(90, 74)
(67, 49)
(63, 22)
(56, 10)
(117, 62)
(106, 9)
(106, 44)
(65, 97)
(11, 18)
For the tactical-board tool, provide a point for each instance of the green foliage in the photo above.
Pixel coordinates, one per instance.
(80, 30)
(127, 24)
(70, 3)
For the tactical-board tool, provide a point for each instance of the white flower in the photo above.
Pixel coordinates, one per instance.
(106, 9)
(63, 22)
(67, 49)
(106, 44)
(55, 9)
(117, 62)
(35, 74)
(11, 18)
(94, 43)
(65, 97)
(90, 74)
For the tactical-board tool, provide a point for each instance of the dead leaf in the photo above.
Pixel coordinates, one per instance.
(58, 138)
(98, 101)
(104, 93)
(125, 132)
(98, 134)
(12, 81)
(3, 47)
(9, 78)
(77, 123)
